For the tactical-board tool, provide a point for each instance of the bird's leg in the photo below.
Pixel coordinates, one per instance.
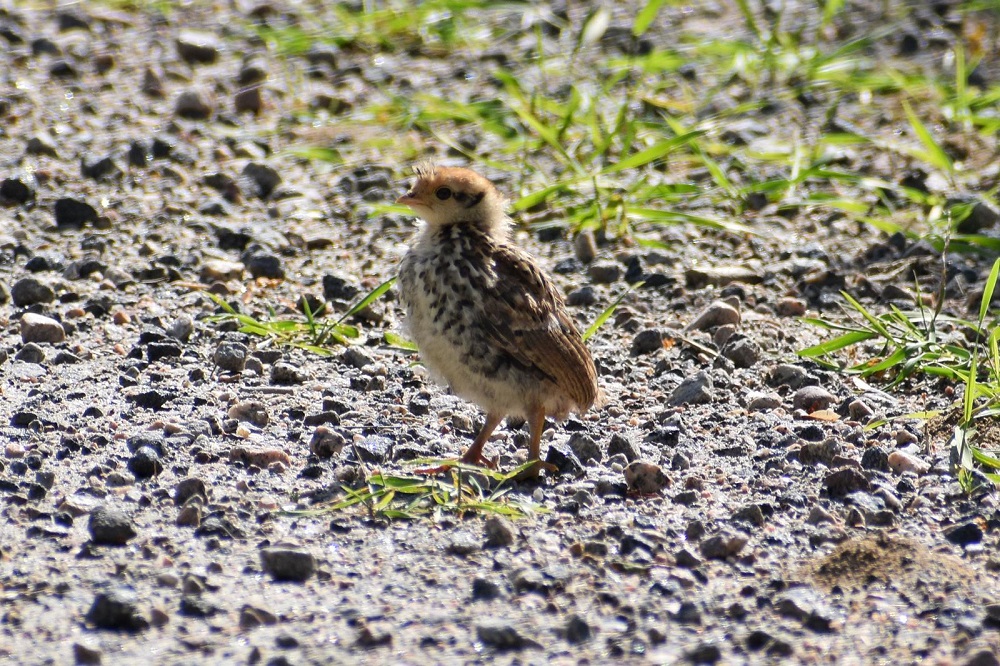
(474, 455)
(536, 424)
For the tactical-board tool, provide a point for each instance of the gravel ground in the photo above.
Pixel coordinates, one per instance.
(148, 450)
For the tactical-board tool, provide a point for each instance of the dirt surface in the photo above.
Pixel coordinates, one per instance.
(148, 449)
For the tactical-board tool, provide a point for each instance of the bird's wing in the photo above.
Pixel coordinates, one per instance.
(525, 316)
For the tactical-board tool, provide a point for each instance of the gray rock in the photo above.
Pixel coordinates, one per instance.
(647, 341)
(694, 390)
(484, 589)
(645, 478)
(148, 438)
(192, 606)
(250, 411)
(845, 481)
(29, 291)
(30, 353)
(859, 410)
(41, 144)
(110, 526)
(759, 401)
(73, 214)
(604, 272)
(812, 398)
(502, 635)
(742, 351)
(355, 358)
(876, 458)
(286, 373)
(718, 313)
(198, 47)
(620, 444)
(577, 630)
(87, 653)
(585, 448)
(498, 532)
(193, 105)
(583, 297)
(723, 545)
(117, 610)
(145, 463)
(230, 356)
(820, 452)
(585, 246)
(326, 443)
(788, 374)
(564, 459)
(38, 328)
(264, 265)
(190, 488)
(287, 564)
(181, 328)
(807, 606)
(259, 180)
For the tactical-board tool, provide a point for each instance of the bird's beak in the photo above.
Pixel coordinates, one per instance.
(408, 200)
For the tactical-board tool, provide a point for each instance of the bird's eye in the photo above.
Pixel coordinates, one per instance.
(443, 193)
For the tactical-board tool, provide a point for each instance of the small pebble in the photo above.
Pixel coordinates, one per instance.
(900, 461)
(110, 526)
(38, 328)
(645, 478)
(718, 313)
(287, 564)
(812, 398)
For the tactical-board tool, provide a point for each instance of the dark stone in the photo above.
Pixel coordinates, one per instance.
(264, 265)
(30, 290)
(145, 463)
(875, 458)
(287, 564)
(845, 481)
(14, 190)
(156, 351)
(73, 214)
(647, 341)
(110, 526)
(964, 533)
(259, 180)
(564, 459)
(192, 606)
(337, 288)
(577, 629)
(484, 589)
(99, 168)
(152, 399)
(625, 446)
(117, 610)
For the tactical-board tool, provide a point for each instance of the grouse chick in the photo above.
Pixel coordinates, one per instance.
(488, 321)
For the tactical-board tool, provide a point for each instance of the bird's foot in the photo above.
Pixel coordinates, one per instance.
(481, 460)
(464, 460)
(532, 472)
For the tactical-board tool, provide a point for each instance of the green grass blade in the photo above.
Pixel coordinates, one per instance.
(646, 16)
(399, 342)
(608, 311)
(369, 298)
(991, 283)
(836, 344)
(934, 153)
(655, 152)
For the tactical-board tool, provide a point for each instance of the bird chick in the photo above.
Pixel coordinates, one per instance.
(488, 321)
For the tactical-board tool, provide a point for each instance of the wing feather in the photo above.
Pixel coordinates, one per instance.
(525, 317)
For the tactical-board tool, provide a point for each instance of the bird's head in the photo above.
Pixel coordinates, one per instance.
(450, 195)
